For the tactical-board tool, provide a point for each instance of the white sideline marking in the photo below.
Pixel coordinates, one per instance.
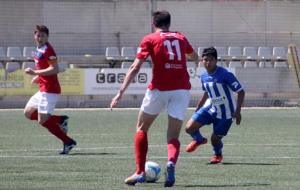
(49, 135)
(151, 157)
(131, 147)
(135, 109)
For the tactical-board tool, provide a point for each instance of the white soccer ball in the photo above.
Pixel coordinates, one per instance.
(152, 170)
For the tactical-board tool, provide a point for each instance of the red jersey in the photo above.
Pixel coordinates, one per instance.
(168, 53)
(43, 57)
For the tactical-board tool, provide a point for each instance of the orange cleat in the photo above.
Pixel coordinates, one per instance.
(194, 145)
(216, 159)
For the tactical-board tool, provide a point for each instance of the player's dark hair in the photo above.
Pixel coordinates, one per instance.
(41, 28)
(210, 51)
(161, 19)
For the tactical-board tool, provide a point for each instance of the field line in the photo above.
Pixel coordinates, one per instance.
(136, 109)
(153, 146)
(150, 157)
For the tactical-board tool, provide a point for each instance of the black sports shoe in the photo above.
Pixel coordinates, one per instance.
(68, 147)
(64, 123)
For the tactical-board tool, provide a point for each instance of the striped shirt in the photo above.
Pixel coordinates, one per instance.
(220, 86)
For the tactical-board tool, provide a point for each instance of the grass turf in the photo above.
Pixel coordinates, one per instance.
(262, 153)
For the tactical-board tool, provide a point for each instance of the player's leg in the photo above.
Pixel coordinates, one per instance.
(174, 127)
(216, 142)
(141, 147)
(31, 113)
(177, 106)
(220, 129)
(198, 120)
(31, 108)
(52, 122)
(151, 107)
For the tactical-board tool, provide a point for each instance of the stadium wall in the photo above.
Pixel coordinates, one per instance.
(88, 27)
(86, 88)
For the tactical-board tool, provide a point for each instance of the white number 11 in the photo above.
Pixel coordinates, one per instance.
(169, 45)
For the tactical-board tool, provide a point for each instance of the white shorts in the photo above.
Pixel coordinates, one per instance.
(175, 102)
(44, 102)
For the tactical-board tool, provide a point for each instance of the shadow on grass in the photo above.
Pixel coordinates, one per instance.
(248, 163)
(91, 154)
(158, 185)
(229, 185)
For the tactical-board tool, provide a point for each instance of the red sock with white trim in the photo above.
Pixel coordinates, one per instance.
(141, 149)
(173, 150)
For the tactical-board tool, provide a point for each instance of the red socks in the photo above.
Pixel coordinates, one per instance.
(52, 124)
(173, 150)
(141, 149)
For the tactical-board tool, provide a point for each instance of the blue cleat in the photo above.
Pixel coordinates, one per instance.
(135, 178)
(64, 124)
(170, 175)
(68, 147)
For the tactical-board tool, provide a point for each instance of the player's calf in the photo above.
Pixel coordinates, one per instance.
(64, 123)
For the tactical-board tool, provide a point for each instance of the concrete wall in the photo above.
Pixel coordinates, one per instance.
(87, 27)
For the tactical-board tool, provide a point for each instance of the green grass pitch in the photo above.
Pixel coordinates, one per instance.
(262, 153)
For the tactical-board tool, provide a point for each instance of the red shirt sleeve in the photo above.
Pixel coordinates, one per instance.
(144, 49)
(189, 48)
(50, 56)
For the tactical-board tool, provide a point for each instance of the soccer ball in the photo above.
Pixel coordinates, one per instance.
(152, 170)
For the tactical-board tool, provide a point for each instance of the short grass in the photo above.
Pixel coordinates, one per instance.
(262, 153)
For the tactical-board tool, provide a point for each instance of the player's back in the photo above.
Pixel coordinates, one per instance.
(168, 53)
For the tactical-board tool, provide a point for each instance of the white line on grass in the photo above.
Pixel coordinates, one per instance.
(151, 157)
(131, 147)
(136, 109)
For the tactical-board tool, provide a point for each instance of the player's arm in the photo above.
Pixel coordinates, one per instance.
(192, 56)
(51, 70)
(239, 102)
(190, 53)
(35, 80)
(202, 101)
(133, 70)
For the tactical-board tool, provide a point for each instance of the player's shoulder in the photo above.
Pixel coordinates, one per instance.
(223, 71)
(179, 34)
(49, 48)
(151, 35)
(204, 75)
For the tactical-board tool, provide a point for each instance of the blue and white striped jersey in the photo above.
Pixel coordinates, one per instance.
(220, 86)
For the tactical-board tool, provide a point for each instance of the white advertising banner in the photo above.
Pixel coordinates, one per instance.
(108, 81)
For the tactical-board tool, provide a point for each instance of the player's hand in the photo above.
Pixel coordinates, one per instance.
(115, 100)
(30, 71)
(35, 80)
(238, 117)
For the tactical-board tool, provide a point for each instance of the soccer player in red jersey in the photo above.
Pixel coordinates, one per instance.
(41, 105)
(169, 89)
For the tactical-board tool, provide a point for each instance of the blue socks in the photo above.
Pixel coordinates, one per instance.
(197, 136)
(218, 148)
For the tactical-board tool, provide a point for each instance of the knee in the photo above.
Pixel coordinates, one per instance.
(188, 130)
(191, 127)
